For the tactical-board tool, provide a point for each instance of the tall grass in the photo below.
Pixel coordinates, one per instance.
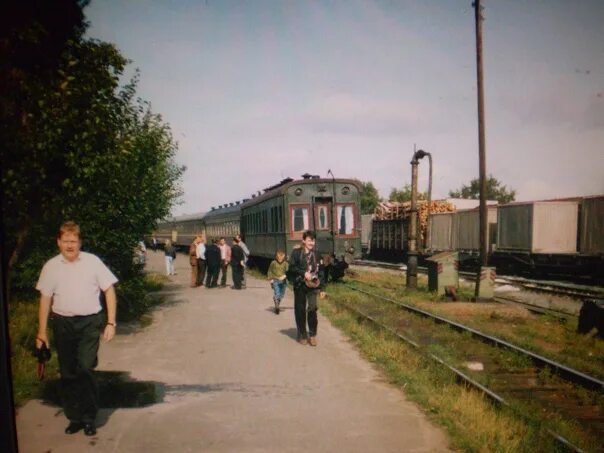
(23, 326)
(473, 422)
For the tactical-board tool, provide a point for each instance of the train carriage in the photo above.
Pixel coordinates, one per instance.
(277, 218)
(222, 221)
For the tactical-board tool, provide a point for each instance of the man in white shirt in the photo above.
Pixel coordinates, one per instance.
(201, 260)
(225, 259)
(70, 286)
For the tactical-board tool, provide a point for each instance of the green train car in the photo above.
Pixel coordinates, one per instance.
(277, 218)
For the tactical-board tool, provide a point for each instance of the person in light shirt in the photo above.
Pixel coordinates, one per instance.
(225, 260)
(70, 285)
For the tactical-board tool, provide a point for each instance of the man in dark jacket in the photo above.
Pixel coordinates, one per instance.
(213, 262)
(309, 279)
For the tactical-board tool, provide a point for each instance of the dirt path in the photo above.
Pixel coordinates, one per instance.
(230, 377)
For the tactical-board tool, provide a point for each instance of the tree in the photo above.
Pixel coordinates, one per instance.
(81, 148)
(495, 191)
(33, 36)
(405, 194)
(369, 197)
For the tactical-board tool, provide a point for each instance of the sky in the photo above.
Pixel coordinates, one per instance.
(256, 91)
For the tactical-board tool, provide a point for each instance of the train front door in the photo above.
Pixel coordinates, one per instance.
(322, 208)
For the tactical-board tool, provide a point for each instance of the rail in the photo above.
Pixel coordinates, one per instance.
(493, 396)
(564, 371)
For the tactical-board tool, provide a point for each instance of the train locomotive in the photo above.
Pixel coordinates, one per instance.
(276, 217)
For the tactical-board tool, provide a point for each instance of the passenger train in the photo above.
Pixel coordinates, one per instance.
(276, 217)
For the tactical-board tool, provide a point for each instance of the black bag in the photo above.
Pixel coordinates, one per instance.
(43, 355)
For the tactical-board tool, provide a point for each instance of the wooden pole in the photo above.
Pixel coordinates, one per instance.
(481, 142)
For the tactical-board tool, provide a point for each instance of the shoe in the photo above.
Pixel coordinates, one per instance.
(302, 341)
(312, 341)
(74, 427)
(89, 429)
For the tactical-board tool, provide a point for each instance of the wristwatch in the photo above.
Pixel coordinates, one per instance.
(112, 324)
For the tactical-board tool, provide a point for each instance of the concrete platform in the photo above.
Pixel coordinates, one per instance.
(232, 378)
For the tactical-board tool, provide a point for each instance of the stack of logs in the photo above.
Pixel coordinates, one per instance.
(394, 210)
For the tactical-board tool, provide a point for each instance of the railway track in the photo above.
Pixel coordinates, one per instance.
(520, 384)
(545, 286)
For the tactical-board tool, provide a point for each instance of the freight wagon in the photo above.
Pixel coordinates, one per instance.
(541, 238)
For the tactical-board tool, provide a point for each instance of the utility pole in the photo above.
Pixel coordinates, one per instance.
(412, 236)
(481, 150)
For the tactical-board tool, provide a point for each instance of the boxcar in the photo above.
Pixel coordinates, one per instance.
(538, 235)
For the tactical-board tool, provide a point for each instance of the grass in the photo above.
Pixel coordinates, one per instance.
(543, 335)
(23, 323)
(473, 422)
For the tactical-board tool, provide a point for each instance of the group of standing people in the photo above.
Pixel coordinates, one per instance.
(211, 261)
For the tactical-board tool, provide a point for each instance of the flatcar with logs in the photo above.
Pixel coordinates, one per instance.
(276, 217)
(563, 237)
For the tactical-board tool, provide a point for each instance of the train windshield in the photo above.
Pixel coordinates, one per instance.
(345, 218)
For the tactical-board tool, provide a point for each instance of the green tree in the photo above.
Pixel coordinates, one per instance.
(405, 194)
(84, 149)
(33, 37)
(495, 191)
(369, 197)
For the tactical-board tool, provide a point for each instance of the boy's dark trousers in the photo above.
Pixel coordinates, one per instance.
(304, 297)
(76, 340)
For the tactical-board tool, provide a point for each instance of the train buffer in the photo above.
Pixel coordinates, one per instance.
(227, 374)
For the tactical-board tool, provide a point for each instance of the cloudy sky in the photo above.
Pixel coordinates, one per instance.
(258, 90)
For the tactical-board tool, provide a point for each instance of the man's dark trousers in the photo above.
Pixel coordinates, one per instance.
(305, 308)
(76, 340)
(224, 265)
(212, 276)
(201, 271)
(237, 272)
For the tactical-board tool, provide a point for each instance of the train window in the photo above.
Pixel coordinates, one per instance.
(345, 219)
(299, 216)
(265, 221)
(322, 217)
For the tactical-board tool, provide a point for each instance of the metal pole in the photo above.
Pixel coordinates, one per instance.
(412, 253)
(334, 213)
(481, 142)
